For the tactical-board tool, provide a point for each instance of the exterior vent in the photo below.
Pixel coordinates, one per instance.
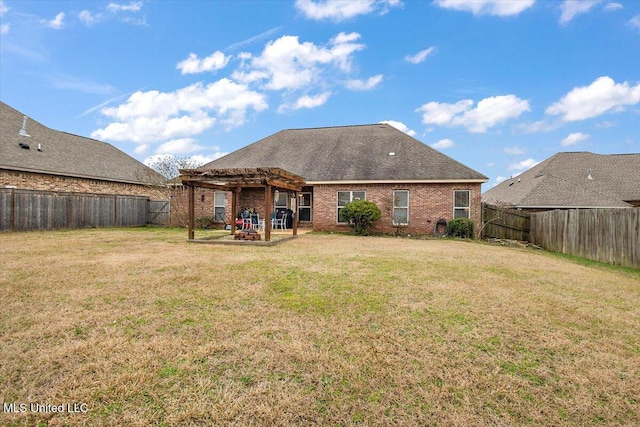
(23, 131)
(23, 145)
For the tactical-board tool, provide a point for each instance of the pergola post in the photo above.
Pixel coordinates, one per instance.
(234, 209)
(267, 216)
(295, 214)
(192, 216)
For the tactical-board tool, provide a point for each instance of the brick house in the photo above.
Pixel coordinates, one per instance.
(573, 180)
(35, 157)
(413, 185)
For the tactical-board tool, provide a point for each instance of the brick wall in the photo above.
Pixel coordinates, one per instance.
(427, 204)
(44, 182)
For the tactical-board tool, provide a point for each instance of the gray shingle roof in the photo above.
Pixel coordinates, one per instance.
(563, 181)
(65, 154)
(349, 153)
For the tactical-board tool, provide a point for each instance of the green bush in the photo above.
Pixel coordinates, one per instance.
(360, 214)
(461, 227)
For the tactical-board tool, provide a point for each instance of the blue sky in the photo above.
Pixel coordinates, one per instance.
(498, 85)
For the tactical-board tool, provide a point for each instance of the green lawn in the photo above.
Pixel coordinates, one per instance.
(146, 329)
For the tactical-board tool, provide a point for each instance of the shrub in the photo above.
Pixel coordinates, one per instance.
(461, 227)
(360, 214)
(205, 222)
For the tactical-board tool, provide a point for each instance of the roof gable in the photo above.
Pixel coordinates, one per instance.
(349, 153)
(579, 179)
(65, 154)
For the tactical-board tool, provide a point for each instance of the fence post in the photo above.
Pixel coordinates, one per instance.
(12, 211)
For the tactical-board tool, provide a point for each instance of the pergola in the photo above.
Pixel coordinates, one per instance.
(237, 179)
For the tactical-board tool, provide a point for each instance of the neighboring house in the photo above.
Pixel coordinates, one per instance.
(34, 157)
(413, 185)
(573, 180)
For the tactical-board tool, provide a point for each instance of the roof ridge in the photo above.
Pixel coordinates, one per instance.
(340, 126)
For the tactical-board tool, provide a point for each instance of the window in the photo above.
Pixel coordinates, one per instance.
(400, 207)
(281, 201)
(304, 209)
(345, 197)
(219, 205)
(461, 203)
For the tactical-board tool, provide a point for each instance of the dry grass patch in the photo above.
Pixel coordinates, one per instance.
(147, 329)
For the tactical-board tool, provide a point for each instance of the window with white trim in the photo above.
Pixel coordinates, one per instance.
(345, 197)
(400, 207)
(462, 204)
(304, 207)
(219, 205)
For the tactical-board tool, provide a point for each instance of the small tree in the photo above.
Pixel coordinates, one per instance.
(360, 214)
(169, 166)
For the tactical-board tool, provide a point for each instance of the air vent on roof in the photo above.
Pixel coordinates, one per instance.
(23, 145)
(23, 131)
(391, 153)
(589, 176)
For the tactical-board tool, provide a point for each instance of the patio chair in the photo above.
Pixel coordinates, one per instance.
(256, 223)
(246, 220)
(282, 221)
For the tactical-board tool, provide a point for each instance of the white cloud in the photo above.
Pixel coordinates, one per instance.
(606, 124)
(253, 39)
(306, 101)
(156, 116)
(490, 164)
(400, 126)
(599, 97)
(87, 18)
(340, 10)
(613, 6)
(142, 148)
(525, 164)
(3, 8)
(515, 150)
(362, 85)
(498, 180)
(288, 64)
(574, 138)
(192, 65)
(487, 7)
(56, 23)
(4, 28)
(63, 81)
(443, 143)
(201, 159)
(134, 6)
(488, 113)
(635, 22)
(179, 146)
(420, 56)
(571, 8)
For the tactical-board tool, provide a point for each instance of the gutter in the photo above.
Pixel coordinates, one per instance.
(401, 181)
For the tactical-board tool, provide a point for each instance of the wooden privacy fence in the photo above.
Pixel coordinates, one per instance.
(605, 235)
(503, 223)
(23, 210)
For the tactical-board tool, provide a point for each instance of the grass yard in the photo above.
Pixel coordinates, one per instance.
(144, 329)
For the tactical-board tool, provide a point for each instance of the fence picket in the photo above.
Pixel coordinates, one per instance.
(22, 210)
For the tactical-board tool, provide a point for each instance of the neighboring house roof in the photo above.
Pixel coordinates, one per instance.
(349, 154)
(65, 154)
(573, 180)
